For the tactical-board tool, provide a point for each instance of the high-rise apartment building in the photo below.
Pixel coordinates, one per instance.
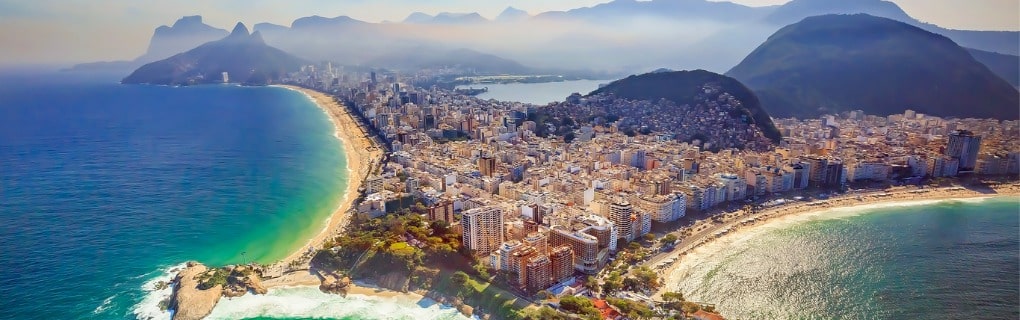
(487, 166)
(585, 248)
(538, 240)
(483, 229)
(964, 146)
(562, 259)
(621, 213)
(442, 211)
(539, 270)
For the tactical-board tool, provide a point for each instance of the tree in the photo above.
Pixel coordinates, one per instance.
(672, 296)
(647, 278)
(591, 283)
(690, 307)
(569, 137)
(674, 300)
(613, 283)
(460, 278)
(579, 305)
(419, 208)
(633, 246)
(649, 237)
(668, 239)
(632, 283)
(482, 270)
(545, 313)
(439, 227)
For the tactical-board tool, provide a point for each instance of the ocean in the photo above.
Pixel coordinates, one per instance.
(104, 188)
(537, 93)
(957, 259)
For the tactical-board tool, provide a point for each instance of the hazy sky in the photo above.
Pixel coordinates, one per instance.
(67, 31)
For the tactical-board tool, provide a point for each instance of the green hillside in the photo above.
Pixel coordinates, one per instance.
(682, 87)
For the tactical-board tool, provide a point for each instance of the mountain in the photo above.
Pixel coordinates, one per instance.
(245, 57)
(266, 29)
(511, 14)
(796, 10)
(668, 9)
(445, 18)
(835, 63)
(340, 39)
(459, 18)
(1004, 65)
(418, 17)
(185, 34)
(687, 88)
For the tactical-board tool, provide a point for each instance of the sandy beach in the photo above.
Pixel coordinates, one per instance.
(362, 155)
(304, 278)
(707, 231)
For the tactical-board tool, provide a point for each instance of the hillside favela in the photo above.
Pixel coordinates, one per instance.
(576, 159)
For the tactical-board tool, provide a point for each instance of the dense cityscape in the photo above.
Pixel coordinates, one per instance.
(510, 160)
(548, 214)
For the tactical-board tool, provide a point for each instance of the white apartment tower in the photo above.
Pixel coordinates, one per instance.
(621, 213)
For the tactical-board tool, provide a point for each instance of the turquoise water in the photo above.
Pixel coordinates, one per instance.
(537, 93)
(945, 260)
(104, 186)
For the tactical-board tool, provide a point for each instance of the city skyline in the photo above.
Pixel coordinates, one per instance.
(43, 32)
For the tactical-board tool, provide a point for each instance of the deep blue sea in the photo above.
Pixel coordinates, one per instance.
(104, 187)
(955, 259)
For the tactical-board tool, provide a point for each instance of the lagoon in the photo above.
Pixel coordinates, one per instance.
(536, 93)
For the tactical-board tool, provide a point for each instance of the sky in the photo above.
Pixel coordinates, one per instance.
(71, 31)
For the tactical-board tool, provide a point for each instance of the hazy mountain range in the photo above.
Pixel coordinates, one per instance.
(622, 36)
(185, 34)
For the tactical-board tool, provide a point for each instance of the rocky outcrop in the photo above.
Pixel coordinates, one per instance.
(397, 281)
(188, 301)
(243, 279)
(454, 302)
(334, 284)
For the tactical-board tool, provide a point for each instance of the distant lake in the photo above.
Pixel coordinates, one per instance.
(536, 93)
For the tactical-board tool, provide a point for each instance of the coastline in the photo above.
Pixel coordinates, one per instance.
(361, 153)
(706, 231)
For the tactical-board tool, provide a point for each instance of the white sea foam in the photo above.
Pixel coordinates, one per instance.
(294, 302)
(309, 302)
(105, 305)
(148, 308)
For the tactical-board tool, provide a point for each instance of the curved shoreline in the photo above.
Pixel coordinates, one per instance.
(360, 152)
(740, 222)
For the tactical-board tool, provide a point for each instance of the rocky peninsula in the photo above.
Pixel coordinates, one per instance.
(198, 288)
